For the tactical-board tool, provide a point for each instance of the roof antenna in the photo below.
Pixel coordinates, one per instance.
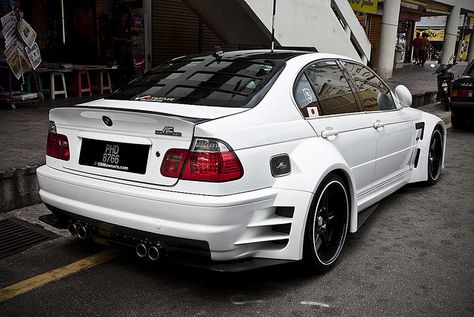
(273, 25)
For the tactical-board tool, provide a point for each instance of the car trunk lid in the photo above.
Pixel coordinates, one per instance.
(125, 144)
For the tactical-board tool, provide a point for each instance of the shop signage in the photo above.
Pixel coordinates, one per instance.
(434, 35)
(367, 6)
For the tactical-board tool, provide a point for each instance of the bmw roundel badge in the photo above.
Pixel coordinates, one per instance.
(107, 121)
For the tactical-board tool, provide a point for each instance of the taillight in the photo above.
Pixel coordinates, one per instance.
(58, 144)
(173, 162)
(208, 161)
(461, 93)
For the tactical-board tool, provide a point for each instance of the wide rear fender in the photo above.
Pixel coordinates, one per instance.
(420, 173)
(311, 161)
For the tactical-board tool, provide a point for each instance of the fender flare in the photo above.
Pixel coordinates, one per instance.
(420, 172)
(311, 161)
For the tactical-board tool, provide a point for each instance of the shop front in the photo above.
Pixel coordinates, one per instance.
(87, 46)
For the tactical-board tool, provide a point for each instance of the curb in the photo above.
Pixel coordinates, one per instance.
(424, 99)
(18, 188)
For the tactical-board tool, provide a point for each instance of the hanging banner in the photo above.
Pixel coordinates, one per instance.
(28, 35)
(367, 6)
(18, 63)
(17, 32)
(34, 55)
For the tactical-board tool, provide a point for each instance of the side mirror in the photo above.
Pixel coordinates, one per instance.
(404, 95)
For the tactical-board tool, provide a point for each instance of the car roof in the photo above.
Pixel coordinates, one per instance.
(264, 55)
(275, 55)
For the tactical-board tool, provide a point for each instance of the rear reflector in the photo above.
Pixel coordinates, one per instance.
(208, 161)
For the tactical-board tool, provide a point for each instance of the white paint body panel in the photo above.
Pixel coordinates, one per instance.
(235, 217)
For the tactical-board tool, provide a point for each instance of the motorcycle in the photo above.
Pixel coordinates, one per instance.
(444, 81)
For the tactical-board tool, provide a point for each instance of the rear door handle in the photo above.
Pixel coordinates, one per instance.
(378, 124)
(328, 132)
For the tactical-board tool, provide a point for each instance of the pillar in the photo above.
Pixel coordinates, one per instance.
(147, 10)
(388, 37)
(471, 47)
(450, 34)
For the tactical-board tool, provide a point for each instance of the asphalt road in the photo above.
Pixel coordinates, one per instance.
(413, 257)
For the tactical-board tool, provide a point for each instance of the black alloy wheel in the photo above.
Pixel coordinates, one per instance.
(435, 156)
(327, 224)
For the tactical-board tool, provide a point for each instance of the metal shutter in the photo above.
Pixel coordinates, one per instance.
(375, 29)
(175, 30)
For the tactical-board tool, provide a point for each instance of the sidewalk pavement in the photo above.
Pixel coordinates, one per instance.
(23, 133)
(421, 81)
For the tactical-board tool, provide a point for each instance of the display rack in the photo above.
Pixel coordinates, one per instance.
(13, 98)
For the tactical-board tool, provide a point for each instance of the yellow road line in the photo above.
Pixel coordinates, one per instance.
(56, 274)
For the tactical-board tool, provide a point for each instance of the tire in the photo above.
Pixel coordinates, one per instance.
(435, 156)
(327, 224)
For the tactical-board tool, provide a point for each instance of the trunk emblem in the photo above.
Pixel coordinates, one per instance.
(107, 121)
(168, 130)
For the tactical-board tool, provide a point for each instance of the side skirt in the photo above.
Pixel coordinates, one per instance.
(364, 215)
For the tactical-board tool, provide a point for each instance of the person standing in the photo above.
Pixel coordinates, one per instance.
(416, 48)
(424, 46)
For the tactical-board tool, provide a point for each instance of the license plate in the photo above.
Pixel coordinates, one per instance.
(118, 156)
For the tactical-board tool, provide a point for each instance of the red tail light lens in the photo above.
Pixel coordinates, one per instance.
(173, 162)
(208, 161)
(461, 93)
(58, 146)
(212, 167)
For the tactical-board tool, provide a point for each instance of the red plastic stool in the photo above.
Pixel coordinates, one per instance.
(83, 74)
(102, 85)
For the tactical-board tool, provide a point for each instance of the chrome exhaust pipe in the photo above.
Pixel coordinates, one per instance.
(141, 250)
(72, 228)
(153, 253)
(82, 232)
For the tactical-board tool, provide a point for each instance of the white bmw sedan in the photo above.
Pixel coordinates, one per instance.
(238, 160)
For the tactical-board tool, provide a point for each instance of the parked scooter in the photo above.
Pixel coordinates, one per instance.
(444, 81)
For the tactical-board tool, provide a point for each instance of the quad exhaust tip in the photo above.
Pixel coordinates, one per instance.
(141, 250)
(72, 228)
(153, 253)
(82, 232)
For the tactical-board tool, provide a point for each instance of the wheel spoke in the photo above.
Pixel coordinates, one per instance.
(324, 238)
(318, 243)
(330, 215)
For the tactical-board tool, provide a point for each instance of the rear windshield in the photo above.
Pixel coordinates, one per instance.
(209, 81)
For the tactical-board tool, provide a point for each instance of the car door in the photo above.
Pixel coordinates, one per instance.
(394, 127)
(326, 100)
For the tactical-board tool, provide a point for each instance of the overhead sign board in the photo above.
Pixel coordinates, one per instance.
(366, 6)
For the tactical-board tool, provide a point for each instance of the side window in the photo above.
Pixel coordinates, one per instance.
(305, 97)
(373, 93)
(323, 90)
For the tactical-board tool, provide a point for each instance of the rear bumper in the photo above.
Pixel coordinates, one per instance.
(462, 108)
(188, 252)
(266, 223)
